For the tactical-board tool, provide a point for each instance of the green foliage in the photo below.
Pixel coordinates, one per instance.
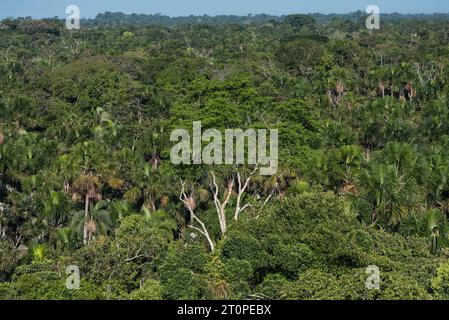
(41, 282)
(440, 282)
(86, 177)
(151, 290)
(181, 273)
(298, 21)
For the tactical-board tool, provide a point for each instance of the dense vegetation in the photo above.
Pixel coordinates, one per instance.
(86, 177)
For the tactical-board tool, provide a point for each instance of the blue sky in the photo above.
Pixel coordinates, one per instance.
(89, 8)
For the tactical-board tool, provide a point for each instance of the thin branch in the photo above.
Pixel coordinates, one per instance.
(241, 190)
(221, 206)
(187, 201)
(137, 256)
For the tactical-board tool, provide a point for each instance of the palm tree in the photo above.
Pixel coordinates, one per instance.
(55, 208)
(120, 209)
(38, 251)
(63, 238)
(403, 156)
(437, 228)
(438, 177)
(275, 184)
(431, 224)
(161, 222)
(388, 194)
(87, 185)
(104, 124)
(97, 222)
(83, 157)
(343, 163)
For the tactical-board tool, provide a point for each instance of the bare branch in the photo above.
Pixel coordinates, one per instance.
(267, 199)
(188, 203)
(137, 256)
(241, 190)
(221, 206)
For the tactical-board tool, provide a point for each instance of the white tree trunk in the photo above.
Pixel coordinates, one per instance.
(86, 219)
(194, 219)
(221, 206)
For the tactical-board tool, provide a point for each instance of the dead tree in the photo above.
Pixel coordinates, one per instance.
(190, 204)
(221, 205)
(241, 189)
(336, 93)
(409, 92)
(381, 89)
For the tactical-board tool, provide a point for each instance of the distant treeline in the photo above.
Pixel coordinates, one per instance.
(122, 19)
(119, 18)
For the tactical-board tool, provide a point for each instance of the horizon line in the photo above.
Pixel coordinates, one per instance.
(224, 14)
